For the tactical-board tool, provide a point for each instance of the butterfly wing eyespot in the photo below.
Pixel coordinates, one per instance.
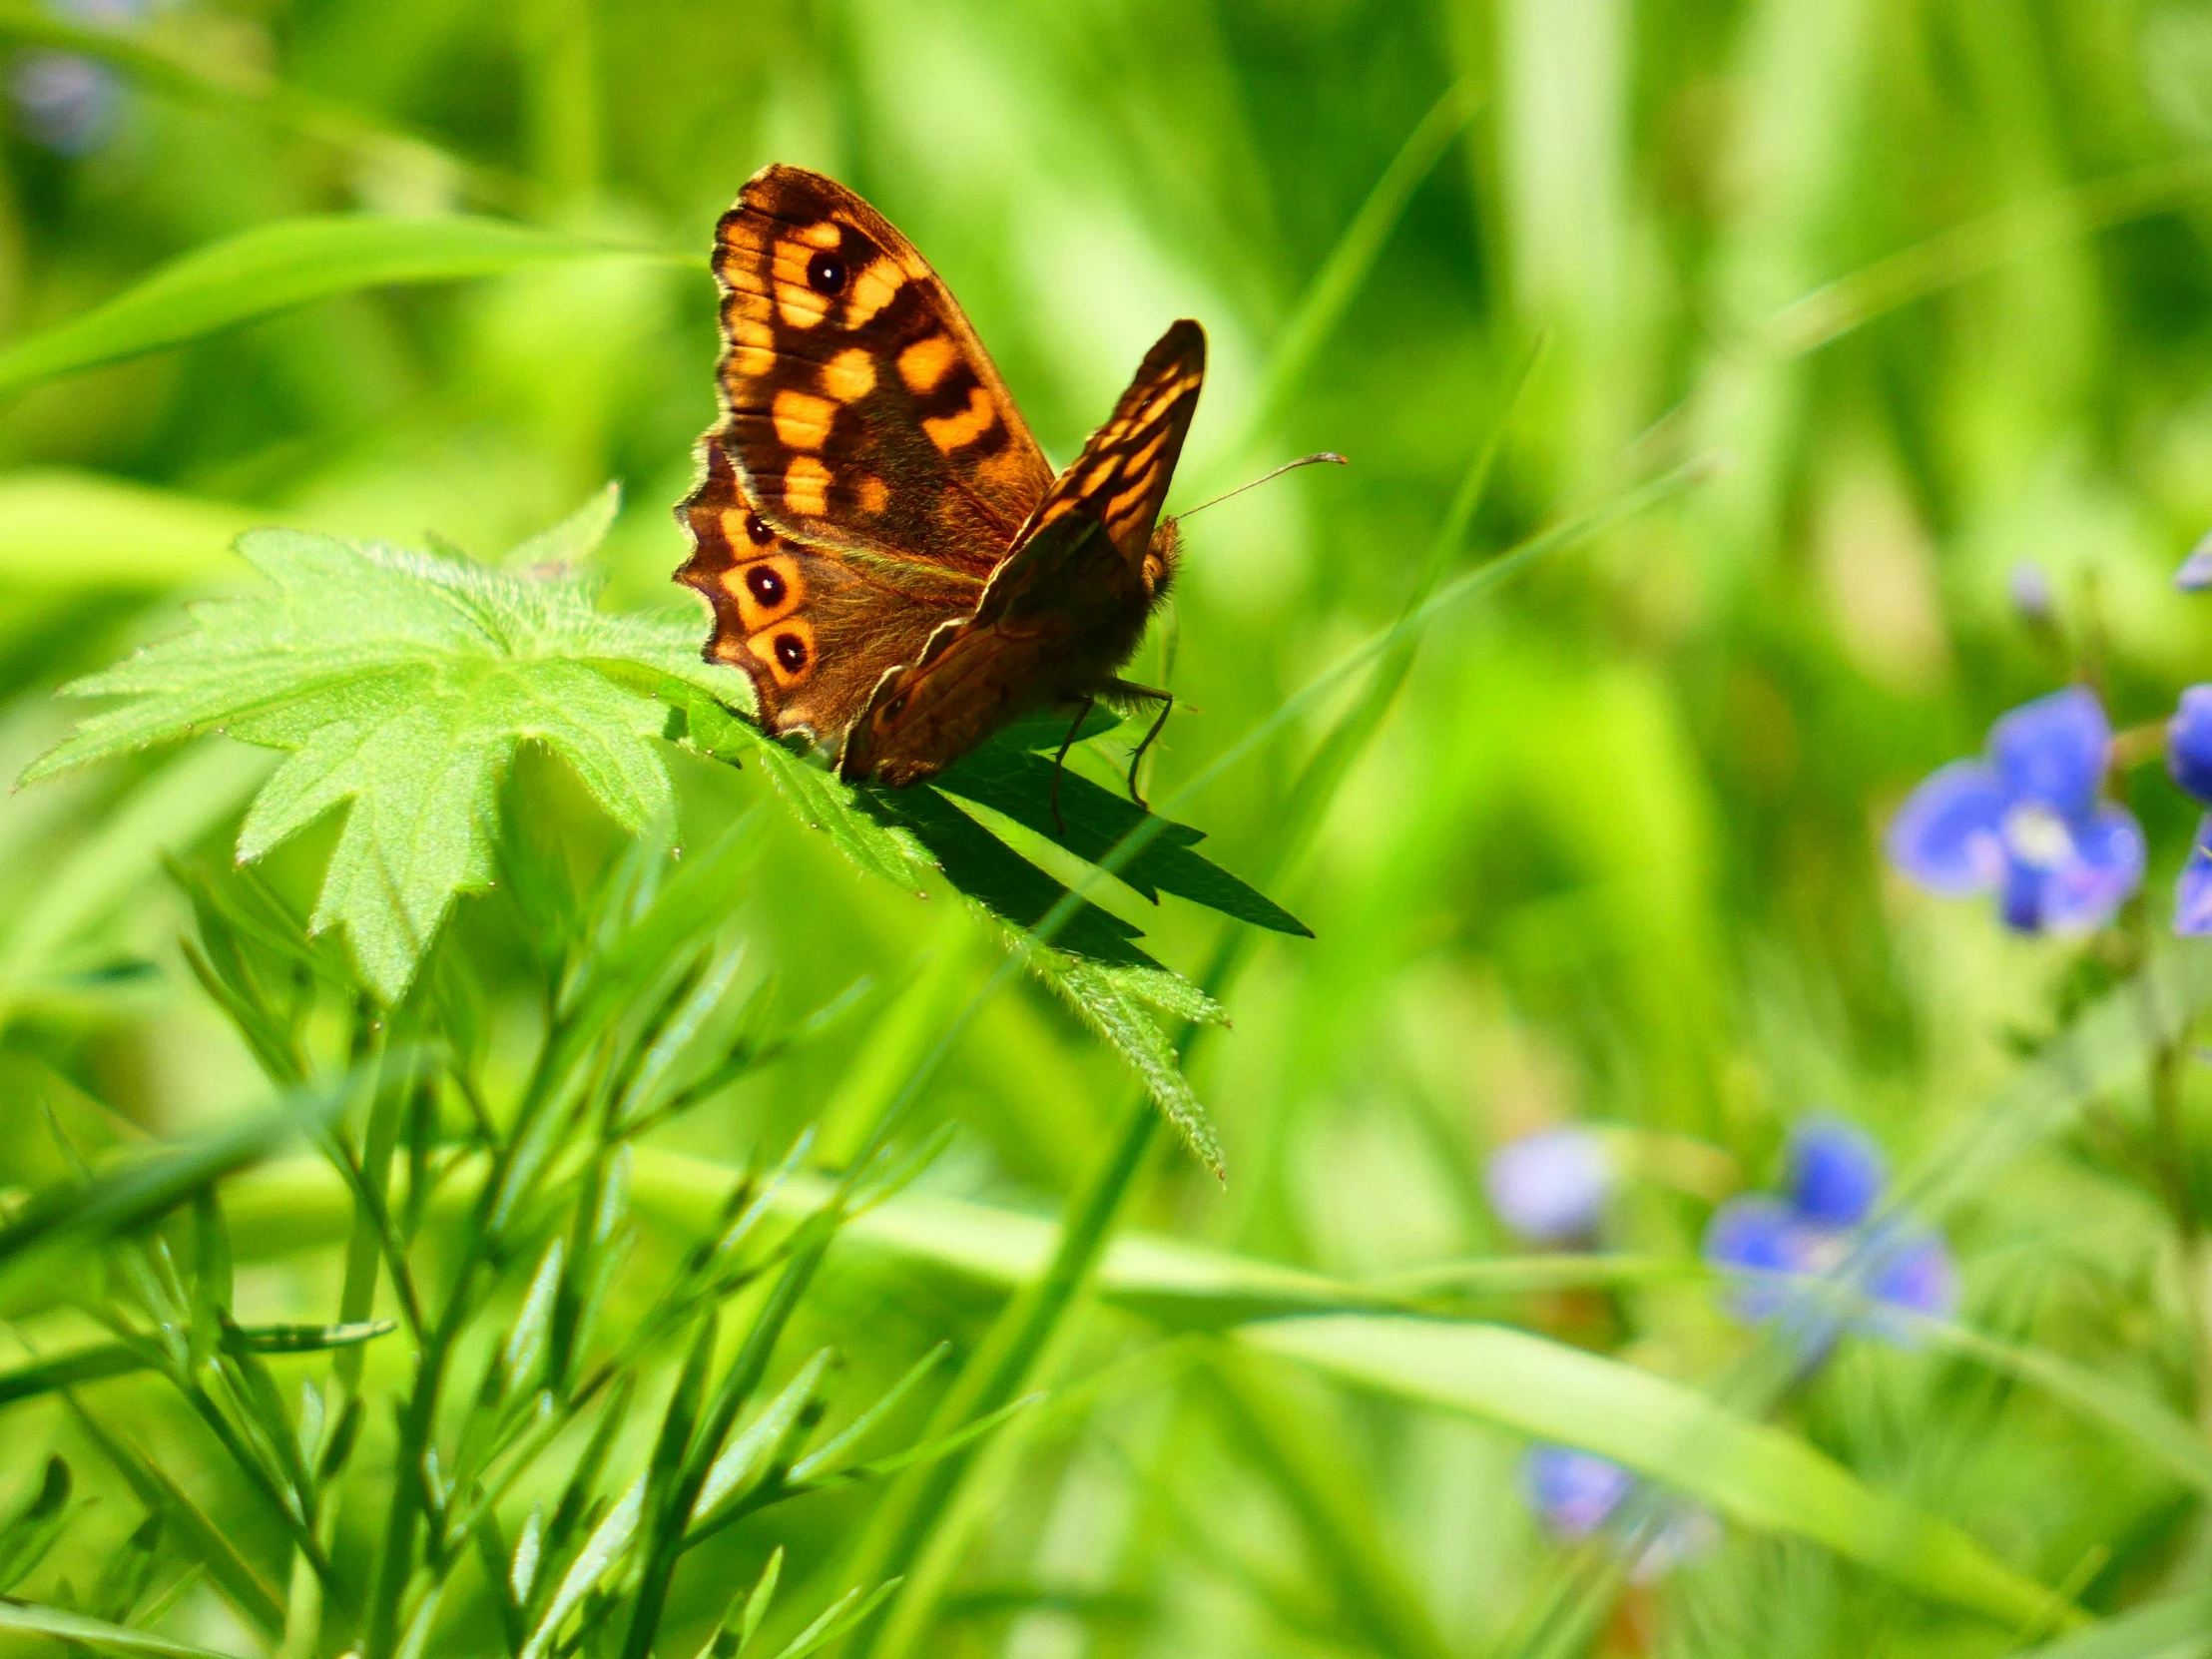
(825, 274)
(762, 586)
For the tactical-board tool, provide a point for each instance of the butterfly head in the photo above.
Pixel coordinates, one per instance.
(1160, 557)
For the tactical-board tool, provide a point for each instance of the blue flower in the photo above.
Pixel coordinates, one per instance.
(1834, 1172)
(69, 103)
(2193, 891)
(1834, 1177)
(1550, 1187)
(2196, 569)
(1574, 1493)
(1571, 1491)
(2189, 743)
(2027, 824)
(2189, 763)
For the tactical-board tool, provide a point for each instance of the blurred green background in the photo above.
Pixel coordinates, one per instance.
(1930, 281)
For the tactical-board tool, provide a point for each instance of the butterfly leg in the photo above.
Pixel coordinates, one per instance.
(1060, 761)
(1166, 699)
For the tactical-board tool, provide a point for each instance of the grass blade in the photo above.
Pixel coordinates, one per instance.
(1749, 1471)
(2179, 1627)
(96, 1633)
(274, 267)
(1341, 274)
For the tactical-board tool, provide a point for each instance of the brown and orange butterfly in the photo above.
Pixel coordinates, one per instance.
(888, 552)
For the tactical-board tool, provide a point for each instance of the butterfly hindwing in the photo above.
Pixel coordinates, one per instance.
(1068, 605)
(814, 631)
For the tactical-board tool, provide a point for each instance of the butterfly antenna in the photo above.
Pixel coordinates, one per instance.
(1287, 467)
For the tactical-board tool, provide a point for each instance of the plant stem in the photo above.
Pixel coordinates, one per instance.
(905, 1532)
(2173, 1168)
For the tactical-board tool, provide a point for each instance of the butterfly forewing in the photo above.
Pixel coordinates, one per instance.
(869, 469)
(1122, 476)
(860, 409)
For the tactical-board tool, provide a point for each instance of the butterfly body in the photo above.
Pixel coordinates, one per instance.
(887, 553)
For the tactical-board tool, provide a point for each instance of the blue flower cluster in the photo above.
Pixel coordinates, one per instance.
(1551, 1187)
(1823, 1223)
(2029, 822)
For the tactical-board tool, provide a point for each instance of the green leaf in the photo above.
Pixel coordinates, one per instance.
(1749, 1471)
(823, 1457)
(1017, 782)
(842, 1615)
(90, 882)
(141, 1188)
(401, 684)
(738, 1462)
(129, 1572)
(1001, 879)
(274, 268)
(1350, 261)
(764, 1594)
(2144, 1419)
(2178, 1627)
(98, 1634)
(1114, 1009)
(609, 1540)
(572, 540)
(305, 1339)
(91, 1365)
(26, 1538)
(201, 1537)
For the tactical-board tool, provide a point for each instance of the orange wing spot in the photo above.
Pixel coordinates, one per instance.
(733, 528)
(877, 286)
(752, 346)
(765, 591)
(850, 376)
(823, 234)
(949, 432)
(786, 648)
(875, 495)
(806, 487)
(922, 365)
(796, 301)
(1143, 459)
(1129, 502)
(802, 419)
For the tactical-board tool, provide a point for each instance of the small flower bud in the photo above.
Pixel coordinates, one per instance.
(1550, 1187)
(2028, 588)
(2196, 569)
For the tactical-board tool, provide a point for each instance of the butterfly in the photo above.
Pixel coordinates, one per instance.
(887, 553)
